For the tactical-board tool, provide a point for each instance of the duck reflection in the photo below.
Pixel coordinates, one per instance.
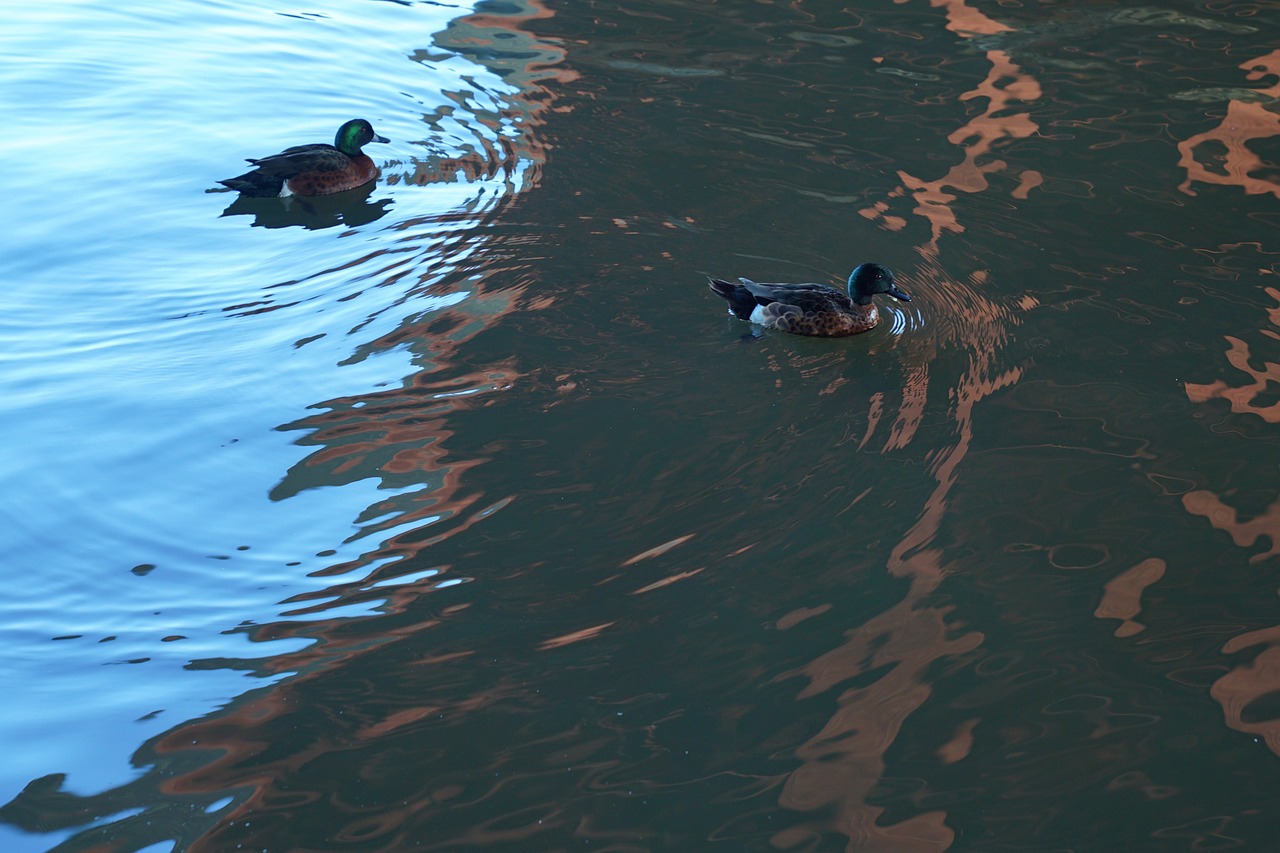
(351, 208)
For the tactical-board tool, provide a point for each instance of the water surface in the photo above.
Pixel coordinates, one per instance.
(454, 513)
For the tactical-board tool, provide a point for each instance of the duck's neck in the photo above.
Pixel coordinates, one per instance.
(858, 298)
(347, 142)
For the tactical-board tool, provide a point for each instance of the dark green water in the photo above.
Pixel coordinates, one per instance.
(456, 513)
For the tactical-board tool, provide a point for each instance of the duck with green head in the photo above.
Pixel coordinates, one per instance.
(811, 309)
(310, 170)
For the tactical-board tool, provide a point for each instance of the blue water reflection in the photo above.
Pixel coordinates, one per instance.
(153, 346)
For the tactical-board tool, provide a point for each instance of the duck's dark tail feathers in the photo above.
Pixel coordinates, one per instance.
(254, 183)
(740, 300)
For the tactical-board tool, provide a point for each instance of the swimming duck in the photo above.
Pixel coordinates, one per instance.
(811, 309)
(310, 170)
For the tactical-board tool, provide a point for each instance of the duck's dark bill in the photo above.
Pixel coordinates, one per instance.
(377, 138)
(898, 294)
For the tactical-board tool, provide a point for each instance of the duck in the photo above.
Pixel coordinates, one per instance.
(818, 310)
(311, 170)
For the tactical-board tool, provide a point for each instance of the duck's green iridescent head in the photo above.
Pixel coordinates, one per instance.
(354, 135)
(867, 280)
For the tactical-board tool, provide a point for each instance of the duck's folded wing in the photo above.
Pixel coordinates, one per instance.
(304, 158)
(789, 293)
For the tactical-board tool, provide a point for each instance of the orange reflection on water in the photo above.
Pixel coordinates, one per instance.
(574, 637)
(1244, 398)
(1243, 533)
(1244, 122)
(1257, 680)
(1004, 85)
(843, 764)
(526, 61)
(966, 20)
(1123, 597)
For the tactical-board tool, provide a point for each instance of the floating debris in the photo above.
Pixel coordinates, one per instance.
(659, 70)
(824, 39)
(910, 75)
(1148, 16)
(1225, 93)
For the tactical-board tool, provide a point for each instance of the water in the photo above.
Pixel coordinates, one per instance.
(454, 513)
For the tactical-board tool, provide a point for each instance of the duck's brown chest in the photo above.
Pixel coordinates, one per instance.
(829, 324)
(360, 171)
